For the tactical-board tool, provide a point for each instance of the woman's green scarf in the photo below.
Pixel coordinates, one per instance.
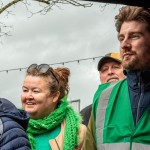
(64, 111)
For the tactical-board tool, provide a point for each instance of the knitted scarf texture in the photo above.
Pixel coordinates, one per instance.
(63, 112)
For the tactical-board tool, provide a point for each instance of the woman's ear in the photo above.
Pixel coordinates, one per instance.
(56, 96)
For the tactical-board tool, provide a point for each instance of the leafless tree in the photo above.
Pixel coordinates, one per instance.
(44, 7)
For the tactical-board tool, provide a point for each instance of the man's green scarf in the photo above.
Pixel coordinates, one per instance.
(64, 111)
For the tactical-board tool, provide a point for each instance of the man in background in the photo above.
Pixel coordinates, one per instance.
(110, 70)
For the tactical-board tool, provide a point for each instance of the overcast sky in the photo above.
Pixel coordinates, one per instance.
(64, 34)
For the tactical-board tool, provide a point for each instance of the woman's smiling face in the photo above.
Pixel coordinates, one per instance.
(36, 97)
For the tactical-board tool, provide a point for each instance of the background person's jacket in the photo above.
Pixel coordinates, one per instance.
(86, 113)
(13, 123)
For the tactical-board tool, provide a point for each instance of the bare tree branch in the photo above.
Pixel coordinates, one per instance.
(4, 30)
(44, 1)
(45, 7)
(49, 3)
(8, 5)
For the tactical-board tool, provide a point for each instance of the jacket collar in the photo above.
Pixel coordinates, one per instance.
(136, 76)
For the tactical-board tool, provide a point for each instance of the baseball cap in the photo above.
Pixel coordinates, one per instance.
(114, 56)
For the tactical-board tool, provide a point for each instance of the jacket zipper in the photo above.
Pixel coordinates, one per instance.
(139, 102)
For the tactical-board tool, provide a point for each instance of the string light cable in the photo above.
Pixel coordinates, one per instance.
(62, 63)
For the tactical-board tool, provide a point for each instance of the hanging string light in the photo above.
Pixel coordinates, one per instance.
(62, 63)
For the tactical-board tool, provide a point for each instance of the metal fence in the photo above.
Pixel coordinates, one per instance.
(75, 104)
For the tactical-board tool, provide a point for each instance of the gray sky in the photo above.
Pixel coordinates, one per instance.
(64, 34)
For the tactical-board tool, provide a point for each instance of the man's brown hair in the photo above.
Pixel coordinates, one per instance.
(132, 13)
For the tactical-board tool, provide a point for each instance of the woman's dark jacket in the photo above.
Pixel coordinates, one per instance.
(13, 125)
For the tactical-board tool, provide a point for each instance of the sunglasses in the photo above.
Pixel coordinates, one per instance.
(43, 68)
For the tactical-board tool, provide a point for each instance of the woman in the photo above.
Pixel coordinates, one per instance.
(53, 124)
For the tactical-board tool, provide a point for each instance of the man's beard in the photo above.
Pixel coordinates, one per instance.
(131, 64)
